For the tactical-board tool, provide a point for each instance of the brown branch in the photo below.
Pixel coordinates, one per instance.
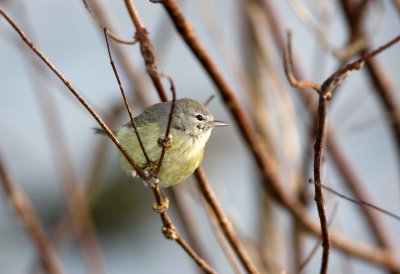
(338, 77)
(27, 214)
(319, 198)
(223, 221)
(288, 65)
(315, 248)
(146, 49)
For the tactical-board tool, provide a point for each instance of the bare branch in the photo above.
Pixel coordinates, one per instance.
(289, 69)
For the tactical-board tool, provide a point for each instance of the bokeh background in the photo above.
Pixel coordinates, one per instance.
(32, 99)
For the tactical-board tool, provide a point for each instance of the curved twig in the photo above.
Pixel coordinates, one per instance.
(100, 25)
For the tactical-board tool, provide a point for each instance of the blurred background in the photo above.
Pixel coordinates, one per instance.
(47, 141)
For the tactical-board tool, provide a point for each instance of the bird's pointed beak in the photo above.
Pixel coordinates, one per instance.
(217, 123)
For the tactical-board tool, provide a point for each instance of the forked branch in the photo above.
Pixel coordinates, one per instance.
(325, 93)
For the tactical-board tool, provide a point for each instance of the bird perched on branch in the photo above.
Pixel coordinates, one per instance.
(190, 130)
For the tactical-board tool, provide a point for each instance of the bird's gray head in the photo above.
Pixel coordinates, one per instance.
(194, 118)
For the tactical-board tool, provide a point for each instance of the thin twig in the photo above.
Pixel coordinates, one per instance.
(359, 202)
(167, 141)
(315, 248)
(223, 221)
(27, 214)
(288, 62)
(338, 77)
(100, 25)
(125, 99)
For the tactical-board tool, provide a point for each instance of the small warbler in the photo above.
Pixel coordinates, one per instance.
(190, 129)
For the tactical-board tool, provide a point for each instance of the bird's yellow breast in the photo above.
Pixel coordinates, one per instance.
(180, 160)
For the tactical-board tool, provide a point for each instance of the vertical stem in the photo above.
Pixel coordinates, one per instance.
(319, 198)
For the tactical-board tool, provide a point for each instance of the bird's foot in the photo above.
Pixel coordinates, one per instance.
(162, 207)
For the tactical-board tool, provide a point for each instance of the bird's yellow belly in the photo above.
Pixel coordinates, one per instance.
(180, 161)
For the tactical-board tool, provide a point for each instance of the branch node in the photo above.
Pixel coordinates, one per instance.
(170, 232)
(165, 141)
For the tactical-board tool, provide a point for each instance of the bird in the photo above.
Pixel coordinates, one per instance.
(191, 127)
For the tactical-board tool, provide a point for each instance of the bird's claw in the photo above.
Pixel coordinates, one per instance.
(162, 207)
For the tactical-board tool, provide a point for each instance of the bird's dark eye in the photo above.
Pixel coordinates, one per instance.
(199, 117)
